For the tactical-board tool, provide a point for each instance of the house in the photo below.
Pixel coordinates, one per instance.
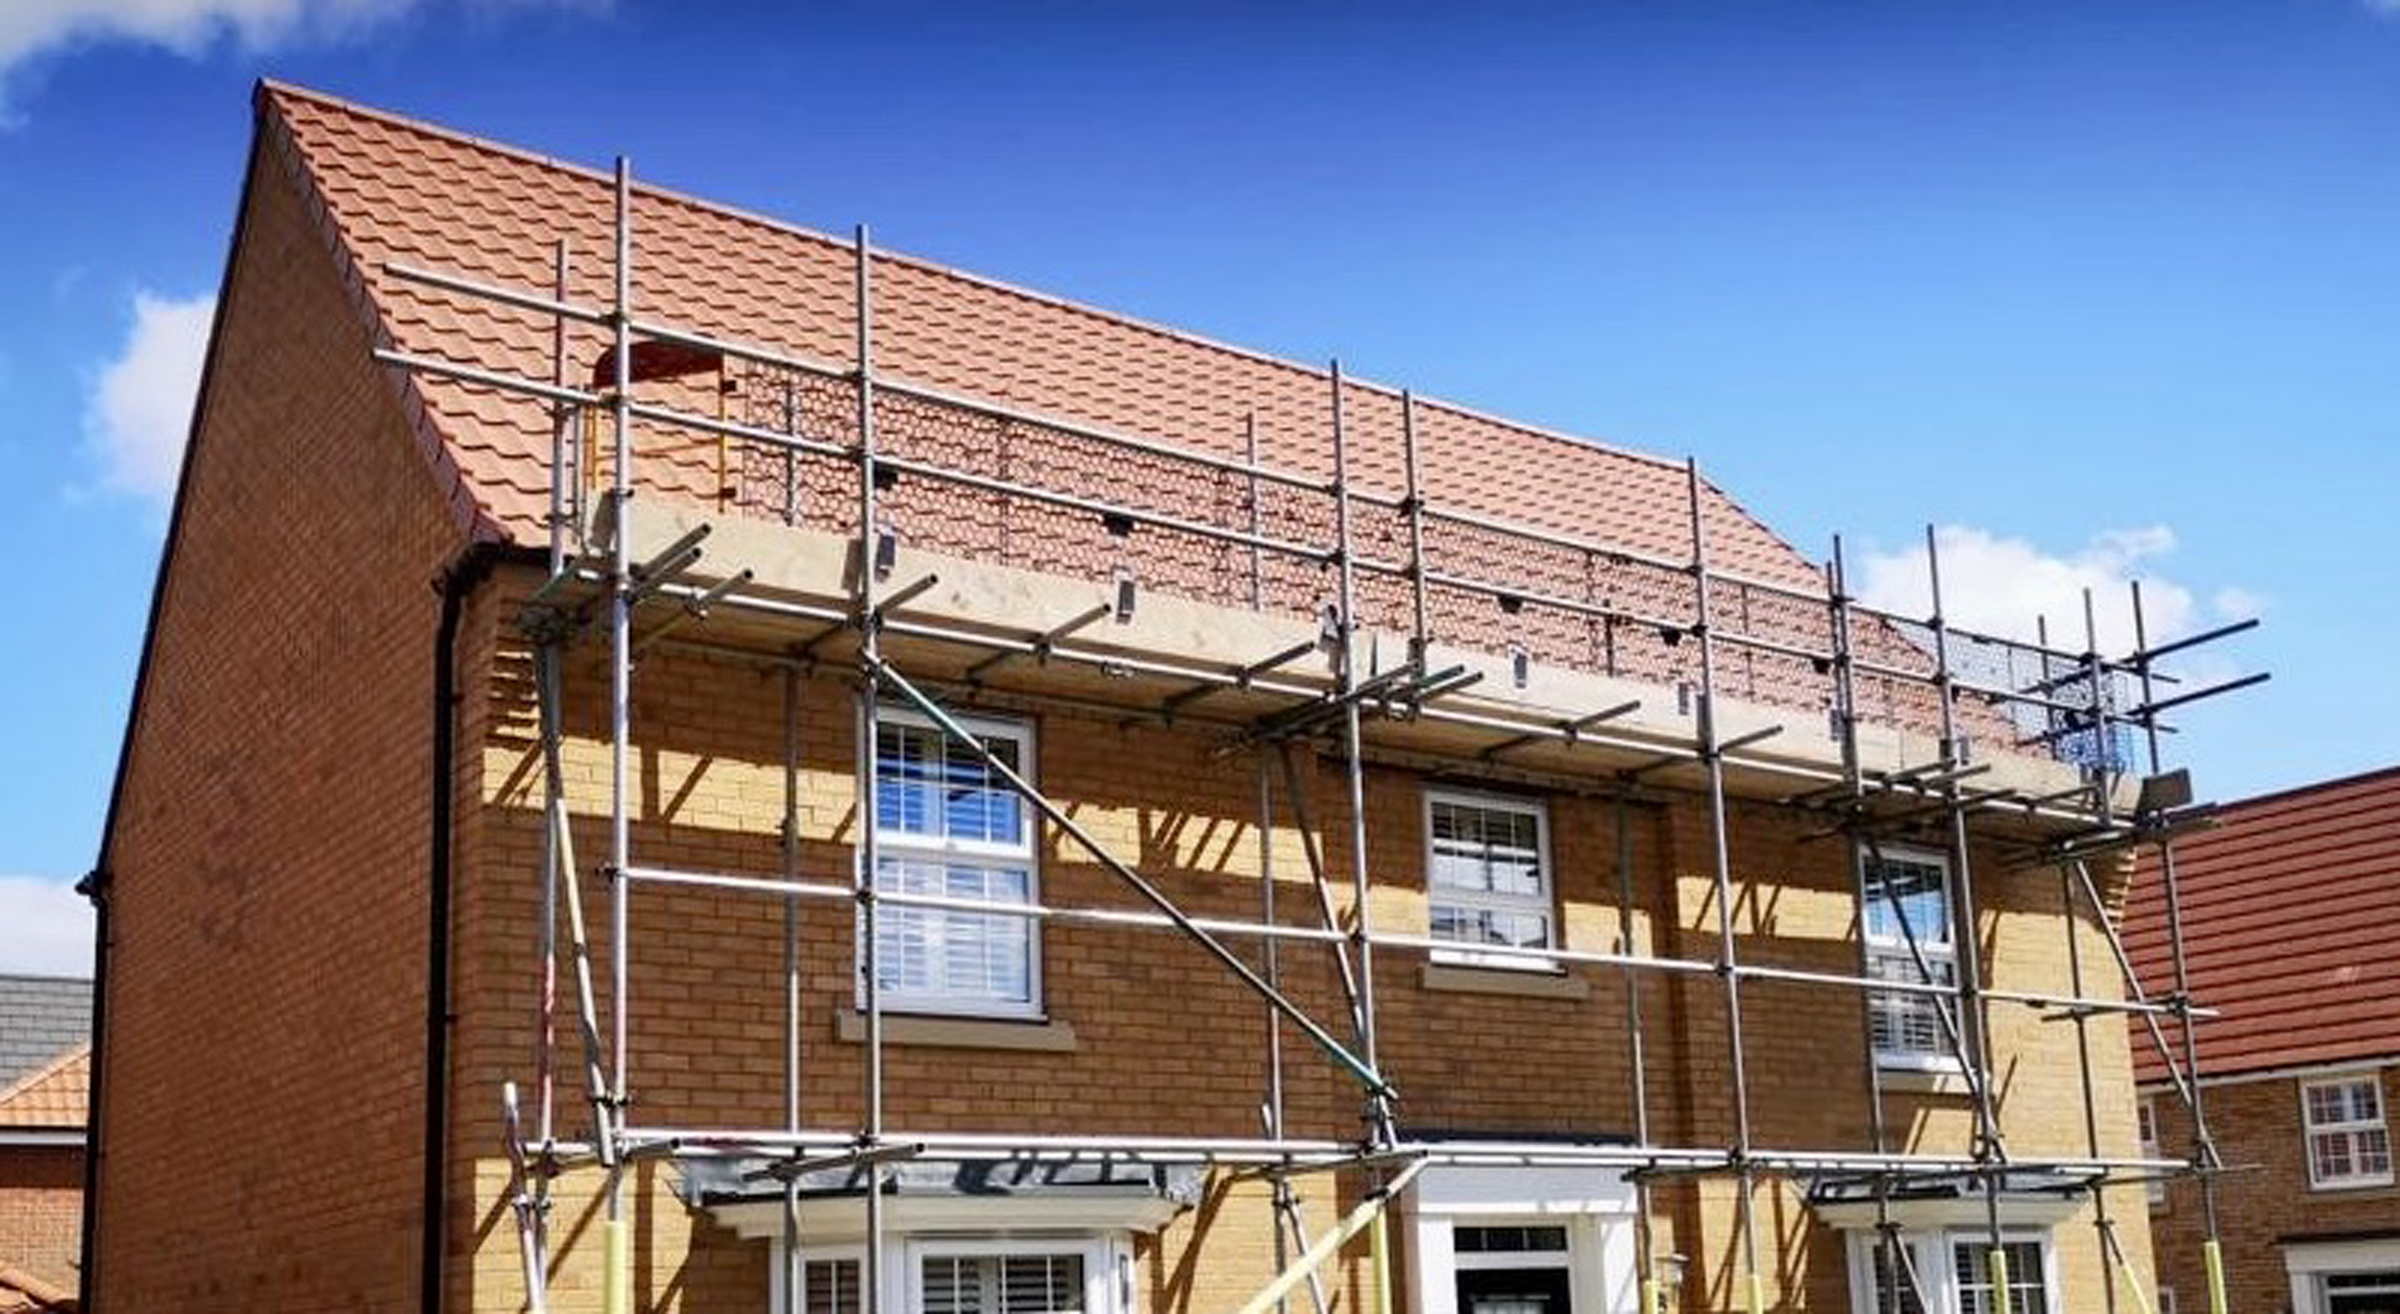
(45, 1062)
(2291, 908)
(982, 803)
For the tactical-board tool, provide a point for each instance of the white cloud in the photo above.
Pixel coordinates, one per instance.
(49, 927)
(31, 28)
(2007, 586)
(141, 407)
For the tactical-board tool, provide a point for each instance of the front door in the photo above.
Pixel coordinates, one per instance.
(1513, 1291)
(1507, 1268)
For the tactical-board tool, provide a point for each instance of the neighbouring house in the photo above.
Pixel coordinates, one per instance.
(45, 1066)
(2291, 920)
(683, 763)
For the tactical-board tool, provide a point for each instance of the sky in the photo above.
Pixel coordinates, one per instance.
(2101, 290)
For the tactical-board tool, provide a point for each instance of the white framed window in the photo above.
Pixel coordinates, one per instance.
(1949, 1272)
(2348, 1142)
(1021, 1275)
(946, 826)
(1908, 898)
(969, 1274)
(2145, 1117)
(1487, 876)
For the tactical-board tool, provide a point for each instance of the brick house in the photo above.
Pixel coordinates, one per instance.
(45, 1064)
(2291, 909)
(1301, 822)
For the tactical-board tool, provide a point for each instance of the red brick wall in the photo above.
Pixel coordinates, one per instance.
(263, 1085)
(41, 1210)
(2258, 1129)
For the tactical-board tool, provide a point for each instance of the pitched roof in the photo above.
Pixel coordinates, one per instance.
(2291, 907)
(41, 1018)
(388, 188)
(56, 1095)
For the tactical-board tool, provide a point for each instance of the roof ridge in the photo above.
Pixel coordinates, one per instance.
(270, 88)
(2315, 786)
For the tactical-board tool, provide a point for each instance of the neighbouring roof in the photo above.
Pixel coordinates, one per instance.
(389, 189)
(26, 1293)
(56, 1096)
(41, 1018)
(2291, 910)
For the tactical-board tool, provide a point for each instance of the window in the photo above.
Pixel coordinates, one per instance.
(1948, 1273)
(2348, 1144)
(946, 826)
(2028, 1291)
(1908, 897)
(1488, 874)
(970, 1275)
(2145, 1116)
(1030, 1276)
(1511, 1268)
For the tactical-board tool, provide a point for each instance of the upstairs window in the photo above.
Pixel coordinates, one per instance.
(2348, 1144)
(1908, 897)
(1487, 875)
(946, 826)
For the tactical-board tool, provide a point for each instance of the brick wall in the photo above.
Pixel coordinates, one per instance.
(264, 1085)
(1167, 1042)
(2266, 1196)
(41, 1210)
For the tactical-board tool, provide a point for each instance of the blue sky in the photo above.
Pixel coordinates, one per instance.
(2104, 289)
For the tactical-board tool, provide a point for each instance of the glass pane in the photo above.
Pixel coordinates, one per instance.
(949, 1284)
(1041, 1284)
(1516, 930)
(1896, 1289)
(2373, 1150)
(930, 785)
(830, 1286)
(1908, 898)
(958, 955)
(1486, 850)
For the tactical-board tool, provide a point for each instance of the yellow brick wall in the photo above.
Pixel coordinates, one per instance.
(1167, 1041)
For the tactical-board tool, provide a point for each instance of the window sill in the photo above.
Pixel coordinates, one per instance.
(917, 1029)
(2350, 1186)
(1924, 1081)
(1529, 982)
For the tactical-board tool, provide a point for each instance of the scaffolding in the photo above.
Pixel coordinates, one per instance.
(1282, 533)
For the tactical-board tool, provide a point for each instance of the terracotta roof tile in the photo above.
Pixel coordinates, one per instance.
(53, 1096)
(392, 190)
(2291, 909)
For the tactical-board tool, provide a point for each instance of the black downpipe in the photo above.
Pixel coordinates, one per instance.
(468, 572)
(95, 888)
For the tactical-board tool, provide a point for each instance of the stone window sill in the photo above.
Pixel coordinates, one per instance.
(959, 1032)
(1459, 979)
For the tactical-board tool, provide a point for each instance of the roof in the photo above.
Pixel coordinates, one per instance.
(54, 1096)
(41, 1018)
(388, 188)
(26, 1293)
(2291, 906)
(385, 190)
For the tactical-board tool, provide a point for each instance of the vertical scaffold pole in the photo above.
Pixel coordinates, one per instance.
(1362, 920)
(618, 1296)
(1258, 514)
(1973, 1009)
(1636, 1059)
(2101, 1224)
(792, 1273)
(1712, 757)
(1279, 1187)
(870, 643)
(1421, 618)
(2204, 1144)
(545, 1024)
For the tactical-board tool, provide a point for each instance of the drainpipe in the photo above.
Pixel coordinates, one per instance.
(94, 887)
(466, 573)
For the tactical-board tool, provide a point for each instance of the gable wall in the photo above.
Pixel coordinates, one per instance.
(263, 1089)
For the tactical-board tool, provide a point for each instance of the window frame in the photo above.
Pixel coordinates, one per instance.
(1935, 1253)
(945, 851)
(1467, 953)
(2145, 1130)
(2311, 1130)
(1938, 952)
